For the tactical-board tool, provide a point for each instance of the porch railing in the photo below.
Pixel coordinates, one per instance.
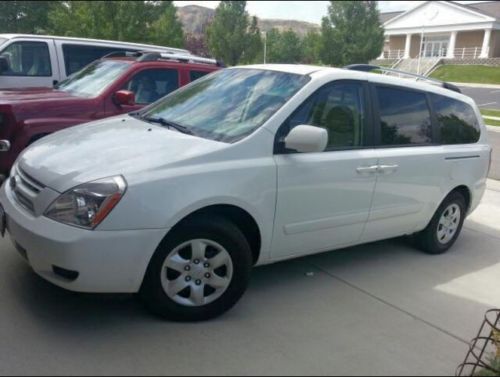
(394, 54)
(459, 53)
(467, 52)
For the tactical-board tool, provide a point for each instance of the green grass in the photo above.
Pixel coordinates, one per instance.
(493, 113)
(468, 73)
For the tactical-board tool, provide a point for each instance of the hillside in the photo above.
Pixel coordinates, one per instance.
(194, 19)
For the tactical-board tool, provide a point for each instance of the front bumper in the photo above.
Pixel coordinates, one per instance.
(106, 261)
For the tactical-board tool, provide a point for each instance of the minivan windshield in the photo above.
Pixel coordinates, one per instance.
(92, 80)
(226, 105)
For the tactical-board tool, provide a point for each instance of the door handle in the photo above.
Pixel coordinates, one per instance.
(387, 169)
(367, 169)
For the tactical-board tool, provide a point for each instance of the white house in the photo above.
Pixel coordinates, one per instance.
(443, 29)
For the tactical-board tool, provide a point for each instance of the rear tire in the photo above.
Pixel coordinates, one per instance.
(445, 226)
(198, 272)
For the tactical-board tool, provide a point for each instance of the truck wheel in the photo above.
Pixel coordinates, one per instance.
(198, 272)
(445, 226)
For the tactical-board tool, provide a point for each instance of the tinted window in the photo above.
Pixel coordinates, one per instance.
(457, 121)
(404, 117)
(339, 109)
(78, 56)
(195, 75)
(229, 104)
(28, 59)
(152, 84)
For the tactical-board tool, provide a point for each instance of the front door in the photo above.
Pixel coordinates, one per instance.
(324, 198)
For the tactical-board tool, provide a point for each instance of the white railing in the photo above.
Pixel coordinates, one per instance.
(467, 53)
(393, 54)
(458, 53)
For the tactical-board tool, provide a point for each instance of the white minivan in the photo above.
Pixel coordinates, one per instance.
(244, 167)
(43, 61)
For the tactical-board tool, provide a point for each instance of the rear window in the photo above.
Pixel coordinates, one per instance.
(457, 120)
(195, 75)
(404, 117)
(78, 56)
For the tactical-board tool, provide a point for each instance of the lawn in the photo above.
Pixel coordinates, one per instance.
(493, 113)
(468, 73)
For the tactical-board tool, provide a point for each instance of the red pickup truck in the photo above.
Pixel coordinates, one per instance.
(116, 84)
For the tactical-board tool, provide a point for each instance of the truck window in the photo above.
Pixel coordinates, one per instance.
(195, 75)
(27, 59)
(152, 84)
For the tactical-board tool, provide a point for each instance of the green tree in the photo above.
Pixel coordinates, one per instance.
(284, 47)
(231, 36)
(351, 33)
(132, 21)
(24, 16)
(253, 44)
(311, 45)
(167, 29)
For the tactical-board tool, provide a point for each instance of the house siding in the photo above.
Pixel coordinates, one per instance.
(470, 39)
(397, 42)
(415, 46)
(495, 44)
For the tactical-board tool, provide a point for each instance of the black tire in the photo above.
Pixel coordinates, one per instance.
(213, 228)
(427, 240)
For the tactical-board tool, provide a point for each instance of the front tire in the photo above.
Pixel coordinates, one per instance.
(445, 226)
(198, 272)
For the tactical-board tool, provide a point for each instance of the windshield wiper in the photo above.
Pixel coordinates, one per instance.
(169, 124)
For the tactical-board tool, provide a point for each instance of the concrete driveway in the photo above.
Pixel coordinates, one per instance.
(378, 309)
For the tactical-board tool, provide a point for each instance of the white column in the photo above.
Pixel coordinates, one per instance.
(407, 46)
(486, 44)
(451, 46)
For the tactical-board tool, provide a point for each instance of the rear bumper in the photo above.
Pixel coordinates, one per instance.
(105, 261)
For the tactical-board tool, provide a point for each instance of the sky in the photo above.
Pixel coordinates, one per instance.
(311, 11)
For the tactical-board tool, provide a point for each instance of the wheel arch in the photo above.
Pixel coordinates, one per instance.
(239, 216)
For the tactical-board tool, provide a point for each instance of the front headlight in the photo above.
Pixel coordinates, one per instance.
(88, 205)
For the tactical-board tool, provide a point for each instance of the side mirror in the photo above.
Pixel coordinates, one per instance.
(4, 64)
(307, 139)
(124, 98)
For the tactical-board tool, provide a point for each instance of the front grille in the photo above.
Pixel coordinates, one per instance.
(24, 201)
(25, 189)
(30, 181)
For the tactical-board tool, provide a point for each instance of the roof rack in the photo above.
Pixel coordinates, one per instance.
(370, 68)
(149, 56)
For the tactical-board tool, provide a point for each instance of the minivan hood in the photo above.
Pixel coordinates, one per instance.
(116, 146)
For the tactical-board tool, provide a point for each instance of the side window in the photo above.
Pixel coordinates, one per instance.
(78, 56)
(457, 121)
(195, 75)
(339, 108)
(28, 59)
(404, 117)
(152, 84)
